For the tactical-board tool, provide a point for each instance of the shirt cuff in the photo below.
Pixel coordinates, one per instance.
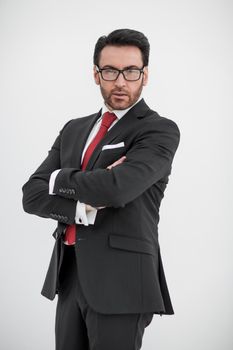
(52, 181)
(82, 216)
(91, 215)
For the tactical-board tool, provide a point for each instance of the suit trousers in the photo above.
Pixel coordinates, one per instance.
(79, 327)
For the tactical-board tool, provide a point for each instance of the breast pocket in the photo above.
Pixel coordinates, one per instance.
(108, 156)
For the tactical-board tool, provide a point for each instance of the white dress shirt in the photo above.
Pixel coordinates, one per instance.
(83, 216)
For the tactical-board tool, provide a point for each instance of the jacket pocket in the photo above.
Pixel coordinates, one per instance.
(131, 244)
(109, 156)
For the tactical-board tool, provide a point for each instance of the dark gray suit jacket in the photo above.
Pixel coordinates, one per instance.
(119, 260)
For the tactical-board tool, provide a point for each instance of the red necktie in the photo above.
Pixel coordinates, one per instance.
(107, 119)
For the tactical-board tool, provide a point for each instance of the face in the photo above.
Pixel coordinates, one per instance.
(120, 94)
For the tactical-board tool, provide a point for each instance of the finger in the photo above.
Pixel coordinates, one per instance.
(119, 161)
(122, 158)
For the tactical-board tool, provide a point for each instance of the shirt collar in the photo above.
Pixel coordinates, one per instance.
(118, 112)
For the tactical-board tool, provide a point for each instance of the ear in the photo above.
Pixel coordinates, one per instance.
(145, 76)
(96, 76)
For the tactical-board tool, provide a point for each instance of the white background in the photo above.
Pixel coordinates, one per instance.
(46, 79)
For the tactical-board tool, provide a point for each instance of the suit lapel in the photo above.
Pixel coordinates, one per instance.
(85, 127)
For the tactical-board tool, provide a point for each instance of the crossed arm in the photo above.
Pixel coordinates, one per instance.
(147, 161)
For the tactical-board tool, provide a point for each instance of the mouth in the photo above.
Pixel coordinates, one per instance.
(119, 94)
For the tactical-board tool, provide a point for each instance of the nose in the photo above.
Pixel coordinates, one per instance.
(120, 80)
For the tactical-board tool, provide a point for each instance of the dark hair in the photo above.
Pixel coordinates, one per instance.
(123, 37)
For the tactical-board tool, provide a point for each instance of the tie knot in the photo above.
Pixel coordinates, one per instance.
(107, 119)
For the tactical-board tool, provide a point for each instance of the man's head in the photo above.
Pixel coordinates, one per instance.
(127, 50)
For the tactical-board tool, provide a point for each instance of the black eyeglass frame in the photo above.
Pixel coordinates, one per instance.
(119, 72)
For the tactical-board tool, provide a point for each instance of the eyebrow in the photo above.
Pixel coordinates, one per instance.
(127, 67)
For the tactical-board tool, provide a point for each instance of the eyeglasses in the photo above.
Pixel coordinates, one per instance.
(111, 74)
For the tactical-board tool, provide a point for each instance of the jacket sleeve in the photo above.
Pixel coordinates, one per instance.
(147, 161)
(36, 198)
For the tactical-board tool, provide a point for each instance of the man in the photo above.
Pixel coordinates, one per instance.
(103, 181)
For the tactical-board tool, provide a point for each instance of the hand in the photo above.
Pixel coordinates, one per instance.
(117, 162)
(89, 208)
